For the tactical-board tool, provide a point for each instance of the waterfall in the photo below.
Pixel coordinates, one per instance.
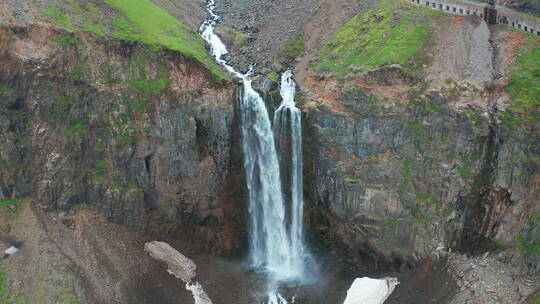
(270, 245)
(276, 228)
(288, 138)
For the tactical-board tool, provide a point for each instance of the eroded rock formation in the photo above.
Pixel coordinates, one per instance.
(144, 136)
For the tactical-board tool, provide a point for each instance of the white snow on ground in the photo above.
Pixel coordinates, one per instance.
(370, 291)
(12, 250)
(179, 266)
(199, 295)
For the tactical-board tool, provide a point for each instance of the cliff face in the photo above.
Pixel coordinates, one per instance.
(420, 129)
(393, 181)
(143, 135)
(404, 165)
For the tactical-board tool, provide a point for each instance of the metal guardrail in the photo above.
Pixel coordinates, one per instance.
(492, 14)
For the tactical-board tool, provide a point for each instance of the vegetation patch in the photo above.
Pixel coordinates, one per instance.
(100, 169)
(20, 205)
(524, 87)
(392, 32)
(68, 40)
(150, 87)
(58, 16)
(78, 72)
(529, 16)
(474, 116)
(9, 202)
(95, 29)
(76, 129)
(237, 38)
(6, 89)
(146, 23)
(131, 20)
(5, 290)
(294, 47)
(528, 241)
(406, 170)
(272, 76)
(464, 172)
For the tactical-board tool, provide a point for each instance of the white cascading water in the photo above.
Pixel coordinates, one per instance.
(270, 246)
(275, 246)
(288, 134)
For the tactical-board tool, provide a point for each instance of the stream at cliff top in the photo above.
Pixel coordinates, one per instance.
(276, 235)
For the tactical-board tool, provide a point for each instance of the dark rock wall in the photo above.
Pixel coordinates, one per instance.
(403, 181)
(142, 135)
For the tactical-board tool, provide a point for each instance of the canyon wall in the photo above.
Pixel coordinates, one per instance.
(405, 158)
(403, 166)
(143, 135)
(395, 182)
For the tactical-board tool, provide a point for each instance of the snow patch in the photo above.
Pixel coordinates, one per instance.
(370, 291)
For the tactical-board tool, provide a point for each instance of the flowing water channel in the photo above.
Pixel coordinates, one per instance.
(273, 163)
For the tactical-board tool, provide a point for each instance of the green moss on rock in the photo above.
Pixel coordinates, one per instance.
(524, 87)
(58, 16)
(236, 38)
(392, 32)
(150, 25)
(272, 76)
(294, 47)
(130, 20)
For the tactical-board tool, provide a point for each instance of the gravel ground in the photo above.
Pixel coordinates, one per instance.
(486, 280)
(268, 23)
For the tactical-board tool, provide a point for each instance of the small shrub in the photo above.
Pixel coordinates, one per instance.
(150, 87)
(68, 40)
(272, 76)
(58, 17)
(5, 89)
(464, 172)
(294, 47)
(94, 29)
(78, 72)
(78, 128)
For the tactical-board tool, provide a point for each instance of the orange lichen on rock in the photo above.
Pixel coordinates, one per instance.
(458, 20)
(513, 43)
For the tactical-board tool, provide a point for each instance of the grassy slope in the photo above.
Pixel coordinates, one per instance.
(7, 295)
(151, 25)
(377, 39)
(530, 16)
(524, 86)
(133, 20)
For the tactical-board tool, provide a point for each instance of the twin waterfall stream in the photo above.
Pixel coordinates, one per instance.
(273, 166)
